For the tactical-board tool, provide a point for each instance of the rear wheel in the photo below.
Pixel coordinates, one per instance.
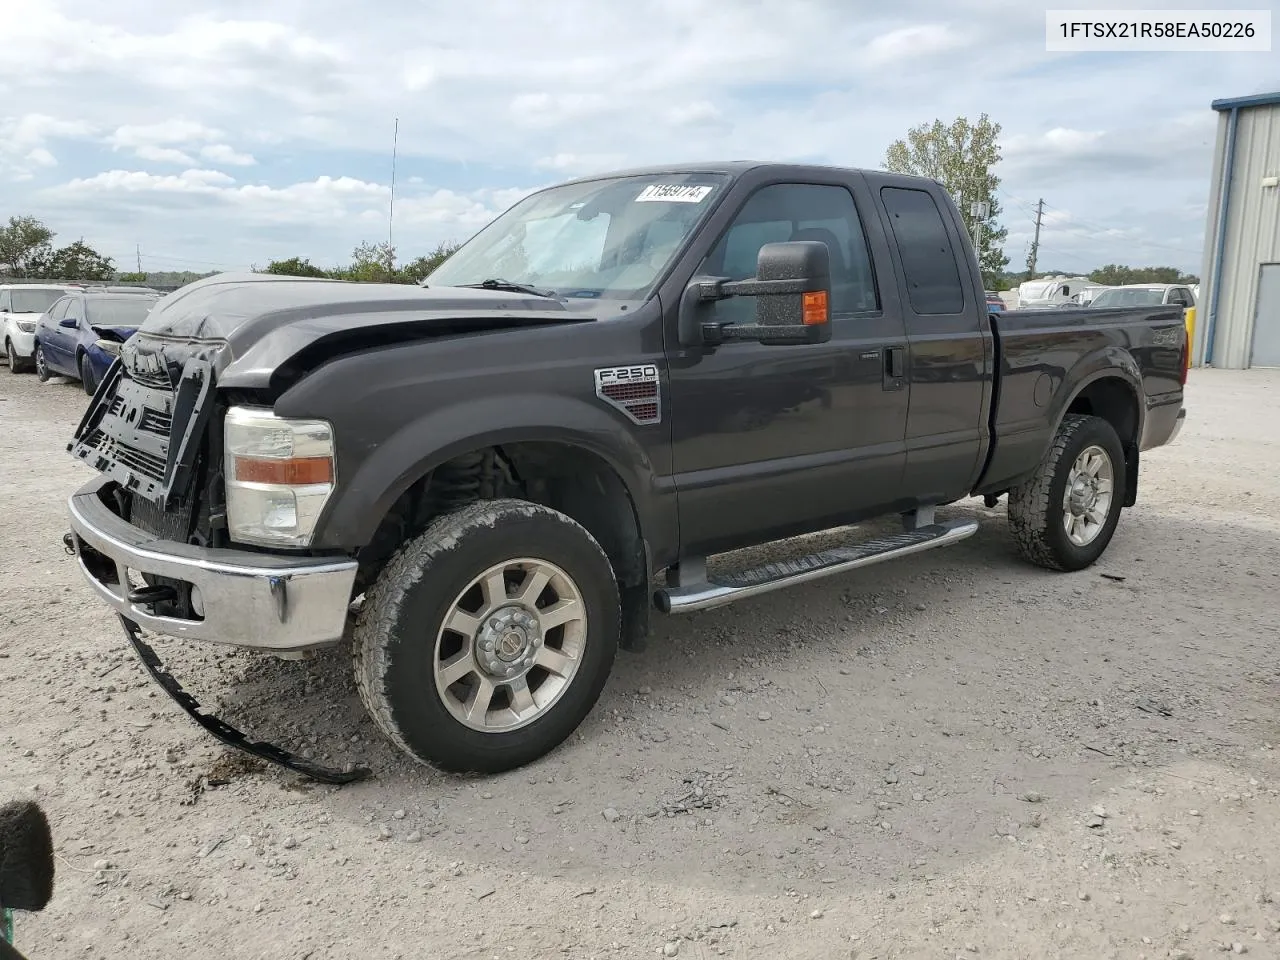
(42, 367)
(1065, 515)
(487, 639)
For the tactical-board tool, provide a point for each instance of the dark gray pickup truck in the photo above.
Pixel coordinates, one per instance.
(497, 476)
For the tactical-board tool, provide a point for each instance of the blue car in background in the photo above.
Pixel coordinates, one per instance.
(79, 336)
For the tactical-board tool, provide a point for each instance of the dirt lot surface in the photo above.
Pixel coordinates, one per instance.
(955, 754)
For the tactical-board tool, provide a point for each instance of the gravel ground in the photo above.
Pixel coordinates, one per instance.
(952, 755)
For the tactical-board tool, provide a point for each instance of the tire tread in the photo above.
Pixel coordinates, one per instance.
(384, 598)
(1030, 509)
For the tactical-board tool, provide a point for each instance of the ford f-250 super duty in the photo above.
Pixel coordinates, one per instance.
(499, 474)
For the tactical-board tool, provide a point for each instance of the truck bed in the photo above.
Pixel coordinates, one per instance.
(1038, 351)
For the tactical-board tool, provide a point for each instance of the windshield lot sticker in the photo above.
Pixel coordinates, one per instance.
(672, 193)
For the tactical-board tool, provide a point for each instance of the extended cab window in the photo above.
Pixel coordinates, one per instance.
(4, 301)
(797, 211)
(928, 258)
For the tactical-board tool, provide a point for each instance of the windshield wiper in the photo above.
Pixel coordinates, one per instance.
(500, 284)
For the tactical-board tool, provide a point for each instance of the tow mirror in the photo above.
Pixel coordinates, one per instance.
(793, 306)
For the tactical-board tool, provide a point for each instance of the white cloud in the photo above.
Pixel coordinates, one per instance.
(163, 155)
(136, 181)
(179, 130)
(41, 157)
(318, 213)
(221, 153)
(495, 93)
(574, 163)
(909, 44)
(24, 139)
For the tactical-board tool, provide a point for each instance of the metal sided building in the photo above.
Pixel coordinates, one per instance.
(1238, 313)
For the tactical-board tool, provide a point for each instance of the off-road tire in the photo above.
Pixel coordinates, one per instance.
(393, 644)
(1035, 507)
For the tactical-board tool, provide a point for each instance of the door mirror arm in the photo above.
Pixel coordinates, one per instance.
(793, 290)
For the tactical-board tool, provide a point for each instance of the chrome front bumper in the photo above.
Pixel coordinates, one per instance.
(263, 601)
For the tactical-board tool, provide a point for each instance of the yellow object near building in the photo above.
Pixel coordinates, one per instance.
(1191, 325)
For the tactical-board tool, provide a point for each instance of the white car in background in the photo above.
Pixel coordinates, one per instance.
(21, 306)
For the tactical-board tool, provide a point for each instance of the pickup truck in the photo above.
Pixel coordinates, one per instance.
(487, 484)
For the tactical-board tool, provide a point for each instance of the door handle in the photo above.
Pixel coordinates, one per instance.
(896, 362)
(895, 367)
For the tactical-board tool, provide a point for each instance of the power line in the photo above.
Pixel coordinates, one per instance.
(1099, 228)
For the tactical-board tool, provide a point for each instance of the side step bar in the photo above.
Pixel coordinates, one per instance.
(704, 594)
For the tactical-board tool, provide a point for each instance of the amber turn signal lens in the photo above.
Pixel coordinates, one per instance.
(296, 472)
(813, 308)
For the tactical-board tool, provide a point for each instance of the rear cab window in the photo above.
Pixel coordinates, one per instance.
(928, 257)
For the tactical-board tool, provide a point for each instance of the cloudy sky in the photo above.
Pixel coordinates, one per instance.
(248, 132)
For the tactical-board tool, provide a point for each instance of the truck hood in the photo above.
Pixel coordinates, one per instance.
(252, 327)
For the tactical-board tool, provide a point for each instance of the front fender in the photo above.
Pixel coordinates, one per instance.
(364, 496)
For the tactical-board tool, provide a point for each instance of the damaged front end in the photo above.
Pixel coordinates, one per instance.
(147, 430)
(150, 533)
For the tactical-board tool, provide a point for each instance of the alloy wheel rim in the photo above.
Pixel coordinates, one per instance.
(1086, 500)
(511, 645)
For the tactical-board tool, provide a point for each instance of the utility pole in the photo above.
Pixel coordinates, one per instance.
(1035, 244)
(979, 210)
(139, 251)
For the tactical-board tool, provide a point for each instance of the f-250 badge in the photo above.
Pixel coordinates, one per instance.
(633, 390)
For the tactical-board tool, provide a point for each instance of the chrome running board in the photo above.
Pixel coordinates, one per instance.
(705, 593)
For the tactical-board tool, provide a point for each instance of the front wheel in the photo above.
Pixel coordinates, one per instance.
(487, 639)
(1065, 515)
(87, 379)
(17, 364)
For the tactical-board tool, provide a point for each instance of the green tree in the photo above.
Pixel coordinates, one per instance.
(75, 261)
(369, 263)
(417, 270)
(132, 277)
(961, 156)
(295, 267)
(24, 241)
(1115, 275)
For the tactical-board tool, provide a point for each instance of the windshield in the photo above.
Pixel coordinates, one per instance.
(122, 312)
(1129, 298)
(35, 301)
(603, 238)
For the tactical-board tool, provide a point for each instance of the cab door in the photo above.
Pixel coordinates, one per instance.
(769, 441)
(947, 327)
(59, 339)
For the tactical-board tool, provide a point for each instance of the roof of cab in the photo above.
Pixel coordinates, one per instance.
(731, 168)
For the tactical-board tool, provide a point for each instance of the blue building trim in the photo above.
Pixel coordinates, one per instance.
(1220, 237)
(1253, 100)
